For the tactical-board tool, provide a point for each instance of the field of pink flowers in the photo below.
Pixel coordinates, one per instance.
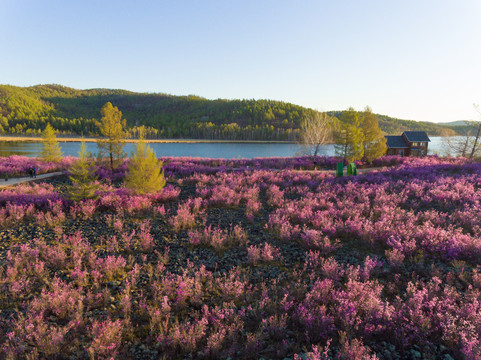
(247, 259)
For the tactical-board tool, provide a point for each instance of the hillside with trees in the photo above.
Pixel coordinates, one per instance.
(394, 126)
(27, 110)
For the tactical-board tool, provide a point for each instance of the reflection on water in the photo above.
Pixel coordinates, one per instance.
(23, 148)
(206, 150)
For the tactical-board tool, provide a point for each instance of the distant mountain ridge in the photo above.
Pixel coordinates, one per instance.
(458, 123)
(26, 110)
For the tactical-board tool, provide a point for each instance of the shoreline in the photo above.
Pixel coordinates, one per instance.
(80, 139)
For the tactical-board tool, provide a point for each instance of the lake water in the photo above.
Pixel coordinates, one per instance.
(205, 150)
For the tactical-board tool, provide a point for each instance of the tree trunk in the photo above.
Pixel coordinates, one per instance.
(465, 147)
(475, 142)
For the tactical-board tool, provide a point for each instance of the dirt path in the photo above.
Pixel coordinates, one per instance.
(15, 181)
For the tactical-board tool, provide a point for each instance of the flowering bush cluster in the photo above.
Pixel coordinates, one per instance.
(19, 165)
(218, 238)
(186, 166)
(268, 262)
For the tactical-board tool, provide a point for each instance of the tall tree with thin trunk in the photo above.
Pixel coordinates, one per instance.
(374, 142)
(51, 149)
(316, 130)
(349, 136)
(111, 127)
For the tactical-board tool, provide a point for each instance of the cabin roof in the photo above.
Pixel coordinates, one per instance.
(396, 142)
(416, 136)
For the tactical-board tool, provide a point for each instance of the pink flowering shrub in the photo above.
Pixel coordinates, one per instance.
(63, 301)
(34, 336)
(213, 237)
(256, 254)
(107, 337)
(145, 238)
(252, 209)
(111, 266)
(312, 238)
(315, 354)
(168, 193)
(395, 257)
(238, 235)
(184, 219)
(15, 165)
(12, 214)
(305, 265)
(275, 197)
(38, 195)
(84, 209)
(218, 238)
(354, 349)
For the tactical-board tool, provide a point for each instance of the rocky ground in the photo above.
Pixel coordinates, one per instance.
(170, 277)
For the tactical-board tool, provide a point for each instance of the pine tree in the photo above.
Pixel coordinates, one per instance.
(349, 136)
(374, 142)
(83, 177)
(51, 149)
(145, 174)
(112, 128)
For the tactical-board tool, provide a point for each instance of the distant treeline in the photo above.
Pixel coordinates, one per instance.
(393, 126)
(27, 110)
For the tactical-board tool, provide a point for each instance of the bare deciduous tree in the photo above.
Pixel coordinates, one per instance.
(462, 144)
(467, 143)
(316, 130)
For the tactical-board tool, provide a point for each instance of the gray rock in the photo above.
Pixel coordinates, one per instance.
(387, 354)
(415, 354)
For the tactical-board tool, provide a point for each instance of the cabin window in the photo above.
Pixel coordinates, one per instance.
(400, 152)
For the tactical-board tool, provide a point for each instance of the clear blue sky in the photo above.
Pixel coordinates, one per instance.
(412, 59)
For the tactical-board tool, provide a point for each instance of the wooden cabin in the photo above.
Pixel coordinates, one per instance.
(410, 143)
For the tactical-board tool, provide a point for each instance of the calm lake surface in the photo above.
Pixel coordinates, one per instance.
(205, 150)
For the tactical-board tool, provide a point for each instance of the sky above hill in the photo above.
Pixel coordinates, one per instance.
(411, 59)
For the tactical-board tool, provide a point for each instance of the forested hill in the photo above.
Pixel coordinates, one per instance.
(393, 126)
(26, 110)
